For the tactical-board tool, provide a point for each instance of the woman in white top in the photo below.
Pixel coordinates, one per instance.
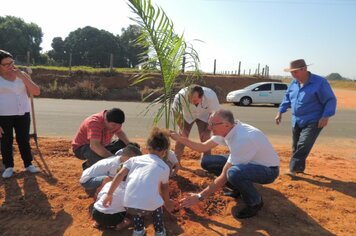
(146, 184)
(15, 87)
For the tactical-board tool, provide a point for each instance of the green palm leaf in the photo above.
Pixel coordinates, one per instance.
(165, 50)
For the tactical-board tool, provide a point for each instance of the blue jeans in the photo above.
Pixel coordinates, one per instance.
(303, 141)
(94, 183)
(242, 176)
(213, 163)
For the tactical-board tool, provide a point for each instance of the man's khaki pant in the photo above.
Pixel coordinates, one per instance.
(204, 134)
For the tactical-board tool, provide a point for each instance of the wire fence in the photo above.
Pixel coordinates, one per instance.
(258, 70)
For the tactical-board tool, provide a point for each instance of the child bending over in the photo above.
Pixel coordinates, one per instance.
(147, 179)
(104, 170)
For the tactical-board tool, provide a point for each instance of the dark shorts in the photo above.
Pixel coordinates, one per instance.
(108, 220)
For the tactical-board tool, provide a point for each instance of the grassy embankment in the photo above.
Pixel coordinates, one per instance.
(336, 84)
(89, 90)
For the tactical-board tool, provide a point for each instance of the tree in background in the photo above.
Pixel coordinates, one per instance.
(165, 48)
(58, 52)
(19, 37)
(131, 51)
(91, 47)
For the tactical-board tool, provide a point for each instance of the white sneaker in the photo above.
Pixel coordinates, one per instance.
(139, 233)
(8, 172)
(32, 169)
(163, 233)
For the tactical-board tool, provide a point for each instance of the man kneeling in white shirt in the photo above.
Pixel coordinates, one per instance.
(104, 170)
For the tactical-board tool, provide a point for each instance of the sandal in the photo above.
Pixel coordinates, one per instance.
(124, 224)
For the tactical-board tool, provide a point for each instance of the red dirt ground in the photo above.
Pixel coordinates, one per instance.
(320, 202)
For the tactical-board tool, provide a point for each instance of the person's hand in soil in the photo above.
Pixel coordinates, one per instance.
(189, 200)
(169, 205)
(175, 169)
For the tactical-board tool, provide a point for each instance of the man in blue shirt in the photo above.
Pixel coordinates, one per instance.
(312, 102)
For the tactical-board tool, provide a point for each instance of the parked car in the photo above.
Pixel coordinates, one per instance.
(259, 93)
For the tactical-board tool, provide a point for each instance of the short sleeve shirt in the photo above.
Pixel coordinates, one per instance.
(146, 173)
(105, 167)
(248, 145)
(117, 204)
(13, 98)
(202, 111)
(93, 127)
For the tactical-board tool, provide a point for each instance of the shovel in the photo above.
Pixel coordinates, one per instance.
(34, 135)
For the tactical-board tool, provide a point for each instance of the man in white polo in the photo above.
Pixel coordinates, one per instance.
(194, 104)
(252, 159)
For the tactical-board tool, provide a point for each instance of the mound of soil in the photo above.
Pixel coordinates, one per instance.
(321, 202)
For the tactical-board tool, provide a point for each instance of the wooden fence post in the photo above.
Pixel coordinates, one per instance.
(183, 64)
(111, 62)
(28, 58)
(214, 66)
(70, 63)
(238, 73)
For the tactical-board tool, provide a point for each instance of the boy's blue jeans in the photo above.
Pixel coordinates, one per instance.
(242, 176)
(94, 183)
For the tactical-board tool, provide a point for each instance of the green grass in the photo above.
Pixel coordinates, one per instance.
(343, 84)
(84, 68)
(337, 84)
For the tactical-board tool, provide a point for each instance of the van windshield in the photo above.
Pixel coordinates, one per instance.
(252, 86)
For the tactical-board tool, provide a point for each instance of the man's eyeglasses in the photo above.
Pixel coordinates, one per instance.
(8, 64)
(211, 124)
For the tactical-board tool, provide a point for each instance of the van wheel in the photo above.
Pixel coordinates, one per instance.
(245, 101)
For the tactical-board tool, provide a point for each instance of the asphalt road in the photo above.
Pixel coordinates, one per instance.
(61, 118)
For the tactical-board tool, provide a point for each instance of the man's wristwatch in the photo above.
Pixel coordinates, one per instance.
(200, 197)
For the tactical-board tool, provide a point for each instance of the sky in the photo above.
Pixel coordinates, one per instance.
(265, 32)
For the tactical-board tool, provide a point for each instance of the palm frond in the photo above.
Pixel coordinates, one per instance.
(165, 50)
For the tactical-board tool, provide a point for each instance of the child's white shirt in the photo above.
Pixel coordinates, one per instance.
(117, 204)
(146, 173)
(105, 167)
